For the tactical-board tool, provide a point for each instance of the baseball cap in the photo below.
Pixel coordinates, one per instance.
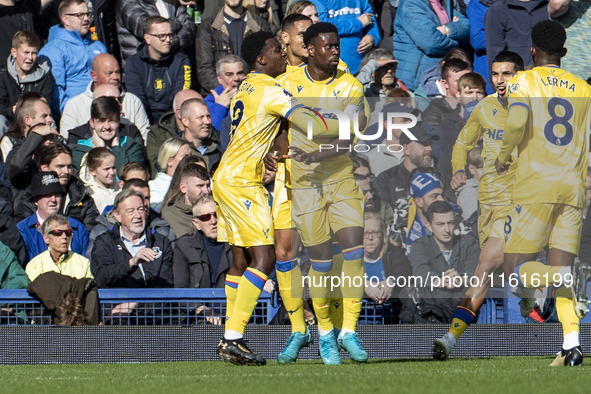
(421, 134)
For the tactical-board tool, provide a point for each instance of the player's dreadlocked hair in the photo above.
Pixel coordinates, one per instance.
(252, 45)
(549, 36)
(318, 28)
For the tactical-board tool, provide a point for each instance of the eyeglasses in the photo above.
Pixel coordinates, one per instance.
(162, 37)
(206, 217)
(80, 15)
(141, 210)
(58, 233)
(362, 177)
(372, 234)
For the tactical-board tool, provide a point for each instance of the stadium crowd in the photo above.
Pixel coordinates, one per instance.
(116, 114)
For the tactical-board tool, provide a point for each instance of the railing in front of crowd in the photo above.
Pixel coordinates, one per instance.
(186, 307)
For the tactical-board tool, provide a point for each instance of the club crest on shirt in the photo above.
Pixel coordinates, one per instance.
(159, 84)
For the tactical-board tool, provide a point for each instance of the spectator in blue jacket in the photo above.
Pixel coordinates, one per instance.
(157, 71)
(47, 194)
(355, 21)
(424, 30)
(231, 70)
(70, 51)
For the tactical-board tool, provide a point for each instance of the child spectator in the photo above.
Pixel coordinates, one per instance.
(133, 170)
(467, 195)
(98, 173)
(105, 117)
(22, 73)
(471, 87)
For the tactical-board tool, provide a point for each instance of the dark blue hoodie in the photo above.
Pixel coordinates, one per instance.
(508, 25)
(156, 82)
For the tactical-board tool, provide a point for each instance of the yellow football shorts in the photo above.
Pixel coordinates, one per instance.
(244, 215)
(530, 227)
(319, 210)
(491, 220)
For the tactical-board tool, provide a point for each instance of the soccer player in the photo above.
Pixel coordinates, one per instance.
(243, 207)
(325, 197)
(494, 192)
(548, 121)
(292, 35)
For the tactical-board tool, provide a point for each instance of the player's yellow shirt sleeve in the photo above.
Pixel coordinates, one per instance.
(256, 112)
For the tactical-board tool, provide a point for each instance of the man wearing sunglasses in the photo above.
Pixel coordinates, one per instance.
(47, 194)
(58, 257)
(158, 70)
(199, 259)
(70, 51)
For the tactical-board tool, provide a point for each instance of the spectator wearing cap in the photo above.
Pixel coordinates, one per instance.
(411, 213)
(384, 80)
(127, 255)
(47, 194)
(58, 257)
(387, 151)
(393, 184)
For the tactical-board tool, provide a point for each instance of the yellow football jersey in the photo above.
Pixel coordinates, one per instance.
(554, 143)
(340, 92)
(256, 112)
(487, 120)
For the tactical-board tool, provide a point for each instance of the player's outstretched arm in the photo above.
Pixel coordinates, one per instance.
(514, 131)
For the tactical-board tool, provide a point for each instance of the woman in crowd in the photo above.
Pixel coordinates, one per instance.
(99, 174)
(170, 155)
(304, 7)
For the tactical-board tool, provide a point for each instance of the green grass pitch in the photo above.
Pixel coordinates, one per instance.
(490, 375)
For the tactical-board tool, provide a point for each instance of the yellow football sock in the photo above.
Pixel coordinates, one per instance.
(289, 279)
(247, 296)
(320, 299)
(352, 289)
(463, 317)
(231, 287)
(336, 312)
(534, 274)
(566, 312)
